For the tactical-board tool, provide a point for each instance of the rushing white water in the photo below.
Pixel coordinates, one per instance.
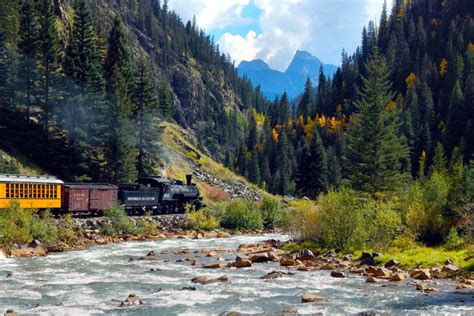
(93, 281)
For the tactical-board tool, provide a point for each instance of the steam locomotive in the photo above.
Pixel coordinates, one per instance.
(155, 194)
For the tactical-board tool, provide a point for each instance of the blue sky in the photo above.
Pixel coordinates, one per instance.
(272, 30)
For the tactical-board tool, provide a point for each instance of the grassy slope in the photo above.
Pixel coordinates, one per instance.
(181, 156)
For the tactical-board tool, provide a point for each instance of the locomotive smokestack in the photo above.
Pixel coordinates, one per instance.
(189, 178)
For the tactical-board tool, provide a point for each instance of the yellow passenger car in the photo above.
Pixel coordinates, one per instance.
(40, 192)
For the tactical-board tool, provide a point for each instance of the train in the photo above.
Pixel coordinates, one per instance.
(148, 194)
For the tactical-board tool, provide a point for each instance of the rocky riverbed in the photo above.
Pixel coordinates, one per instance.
(246, 274)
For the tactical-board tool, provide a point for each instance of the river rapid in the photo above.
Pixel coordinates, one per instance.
(95, 280)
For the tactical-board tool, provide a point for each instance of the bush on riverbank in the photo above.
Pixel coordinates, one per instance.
(239, 214)
(202, 219)
(18, 225)
(271, 212)
(345, 220)
(119, 222)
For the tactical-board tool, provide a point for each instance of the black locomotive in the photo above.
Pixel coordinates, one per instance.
(160, 195)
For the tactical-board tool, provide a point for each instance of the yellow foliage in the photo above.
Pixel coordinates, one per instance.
(410, 79)
(335, 125)
(422, 162)
(309, 127)
(339, 108)
(301, 121)
(470, 48)
(443, 67)
(259, 117)
(275, 135)
(401, 14)
(322, 121)
(392, 106)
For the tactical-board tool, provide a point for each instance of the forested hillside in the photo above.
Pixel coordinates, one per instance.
(84, 83)
(424, 51)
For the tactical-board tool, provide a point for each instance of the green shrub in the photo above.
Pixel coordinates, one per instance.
(201, 220)
(341, 222)
(300, 220)
(18, 225)
(67, 229)
(405, 241)
(148, 225)
(118, 222)
(427, 204)
(43, 228)
(239, 214)
(453, 241)
(271, 212)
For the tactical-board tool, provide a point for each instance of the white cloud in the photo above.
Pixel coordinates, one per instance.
(240, 48)
(322, 27)
(210, 14)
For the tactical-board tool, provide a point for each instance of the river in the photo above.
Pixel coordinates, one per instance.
(92, 281)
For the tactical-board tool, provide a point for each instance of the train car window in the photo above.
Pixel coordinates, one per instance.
(7, 190)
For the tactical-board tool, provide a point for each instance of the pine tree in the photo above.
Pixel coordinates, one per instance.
(145, 101)
(254, 169)
(5, 75)
(375, 150)
(439, 161)
(27, 47)
(82, 59)
(456, 118)
(117, 53)
(312, 176)
(334, 169)
(252, 137)
(284, 109)
(120, 151)
(48, 58)
(165, 101)
(306, 104)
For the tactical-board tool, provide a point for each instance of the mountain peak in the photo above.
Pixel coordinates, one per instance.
(274, 82)
(304, 55)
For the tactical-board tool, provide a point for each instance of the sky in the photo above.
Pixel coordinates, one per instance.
(273, 30)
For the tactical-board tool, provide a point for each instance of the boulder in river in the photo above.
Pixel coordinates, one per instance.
(396, 277)
(391, 263)
(312, 298)
(338, 274)
(189, 288)
(205, 280)
(367, 259)
(373, 280)
(261, 257)
(242, 262)
(215, 265)
(287, 262)
(378, 272)
(275, 275)
(450, 269)
(425, 289)
(10, 312)
(305, 255)
(420, 274)
(132, 300)
(292, 310)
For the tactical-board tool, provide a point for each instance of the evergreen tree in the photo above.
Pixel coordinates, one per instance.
(48, 58)
(375, 149)
(312, 176)
(146, 106)
(27, 47)
(165, 101)
(439, 161)
(254, 169)
(117, 53)
(82, 59)
(306, 104)
(120, 151)
(456, 118)
(334, 169)
(5, 74)
(284, 109)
